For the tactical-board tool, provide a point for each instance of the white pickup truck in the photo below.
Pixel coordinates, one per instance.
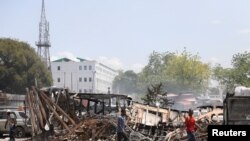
(22, 128)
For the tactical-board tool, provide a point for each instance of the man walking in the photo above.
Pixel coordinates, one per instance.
(190, 125)
(121, 133)
(11, 123)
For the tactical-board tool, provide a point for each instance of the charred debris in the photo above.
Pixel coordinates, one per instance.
(58, 115)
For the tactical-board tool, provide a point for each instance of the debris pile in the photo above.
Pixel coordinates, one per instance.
(168, 125)
(42, 109)
(94, 128)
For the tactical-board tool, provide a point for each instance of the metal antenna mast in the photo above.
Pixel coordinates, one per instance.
(43, 43)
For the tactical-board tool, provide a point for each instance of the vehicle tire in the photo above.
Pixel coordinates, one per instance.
(19, 132)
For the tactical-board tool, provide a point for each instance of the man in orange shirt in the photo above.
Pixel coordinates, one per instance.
(190, 125)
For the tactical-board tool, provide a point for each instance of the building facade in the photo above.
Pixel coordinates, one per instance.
(82, 75)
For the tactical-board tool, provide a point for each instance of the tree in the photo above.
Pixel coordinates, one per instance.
(125, 83)
(155, 93)
(152, 73)
(238, 74)
(187, 71)
(178, 72)
(241, 68)
(21, 67)
(223, 75)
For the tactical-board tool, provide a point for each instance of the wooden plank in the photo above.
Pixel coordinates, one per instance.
(151, 108)
(32, 116)
(36, 102)
(58, 108)
(44, 116)
(55, 113)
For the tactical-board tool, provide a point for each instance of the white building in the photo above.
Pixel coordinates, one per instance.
(82, 75)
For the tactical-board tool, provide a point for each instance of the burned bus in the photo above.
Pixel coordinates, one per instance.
(237, 107)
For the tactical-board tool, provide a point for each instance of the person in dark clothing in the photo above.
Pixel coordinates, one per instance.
(11, 123)
(121, 124)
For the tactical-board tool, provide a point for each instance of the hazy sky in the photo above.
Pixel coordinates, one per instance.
(124, 32)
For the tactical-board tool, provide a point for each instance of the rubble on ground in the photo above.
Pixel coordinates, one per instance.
(94, 127)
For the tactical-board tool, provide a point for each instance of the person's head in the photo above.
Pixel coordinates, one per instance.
(190, 112)
(123, 112)
(8, 112)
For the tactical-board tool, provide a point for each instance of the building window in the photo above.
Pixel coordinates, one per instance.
(58, 68)
(85, 67)
(85, 79)
(85, 90)
(90, 79)
(58, 80)
(80, 90)
(80, 79)
(80, 67)
(90, 67)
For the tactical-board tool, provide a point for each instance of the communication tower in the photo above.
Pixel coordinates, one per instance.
(43, 43)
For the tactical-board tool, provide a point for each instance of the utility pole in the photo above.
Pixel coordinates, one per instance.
(93, 82)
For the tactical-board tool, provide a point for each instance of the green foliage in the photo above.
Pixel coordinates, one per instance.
(152, 92)
(223, 75)
(152, 73)
(20, 66)
(178, 72)
(187, 71)
(154, 66)
(125, 83)
(241, 68)
(155, 93)
(238, 74)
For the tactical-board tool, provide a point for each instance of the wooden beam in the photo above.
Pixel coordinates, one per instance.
(57, 107)
(32, 116)
(56, 114)
(40, 104)
(151, 108)
(38, 110)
